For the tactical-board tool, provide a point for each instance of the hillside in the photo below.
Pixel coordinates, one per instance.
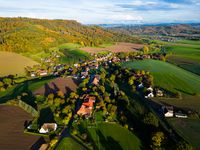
(168, 76)
(24, 35)
(12, 63)
(180, 30)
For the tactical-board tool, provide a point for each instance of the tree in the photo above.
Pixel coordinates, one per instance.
(145, 49)
(157, 139)
(150, 119)
(182, 145)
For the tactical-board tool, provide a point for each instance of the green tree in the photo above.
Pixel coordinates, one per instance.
(151, 119)
(157, 139)
(145, 49)
(182, 145)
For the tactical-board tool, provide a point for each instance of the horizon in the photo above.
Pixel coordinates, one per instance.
(106, 12)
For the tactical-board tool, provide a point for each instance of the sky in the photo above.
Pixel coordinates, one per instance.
(105, 11)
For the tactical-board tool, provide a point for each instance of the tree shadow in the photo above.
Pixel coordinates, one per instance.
(55, 88)
(68, 91)
(107, 142)
(46, 116)
(47, 90)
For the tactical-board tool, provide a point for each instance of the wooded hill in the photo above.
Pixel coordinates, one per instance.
(179, 30)
(23, 35)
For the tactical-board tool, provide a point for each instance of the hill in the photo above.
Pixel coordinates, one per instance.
(23, 35)
(12, 63)
(168, 76)
(179, 30)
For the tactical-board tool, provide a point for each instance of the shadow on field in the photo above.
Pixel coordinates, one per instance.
(108, 142)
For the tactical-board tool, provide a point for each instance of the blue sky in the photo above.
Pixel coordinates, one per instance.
(105, 11)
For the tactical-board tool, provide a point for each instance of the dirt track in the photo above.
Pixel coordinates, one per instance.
(118, 47)
(66, 85)
(12, 137)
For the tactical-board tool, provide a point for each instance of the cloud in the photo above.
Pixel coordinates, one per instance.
(105, 11)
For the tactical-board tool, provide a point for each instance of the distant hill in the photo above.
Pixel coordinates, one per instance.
(23, 35)
(191, 31)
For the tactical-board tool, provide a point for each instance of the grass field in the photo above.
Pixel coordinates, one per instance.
(109, 136)
(27, 86)
(72, 53)
(69, 144)
(12, 63)
(187, 102)
(168, 76)
(185, 54)
(189, 129)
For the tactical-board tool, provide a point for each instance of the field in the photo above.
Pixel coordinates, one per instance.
(168, 76)
(72, 53)
(185, 54)
(188, 129)
(66, 85)
(69, 144)
(12, 63)
(115, 48)
(112, 136)
(187, 102)
(12, 129)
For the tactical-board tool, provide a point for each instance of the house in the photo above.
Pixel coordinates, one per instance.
(149, 95)
(42, 72)
(168, 111)
(33, 74)
(180, 115)
(48, 127)
(140, 86)
(159, 93)
(96, 79)
(84, 74)
(87, 106)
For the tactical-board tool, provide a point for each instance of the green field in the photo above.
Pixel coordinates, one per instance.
(187, 102)
(185, 54)
(12, 63)
(189, 129)
(72, 53)
(27, 86)
(109, 136)
(69, 144)
(168, 76)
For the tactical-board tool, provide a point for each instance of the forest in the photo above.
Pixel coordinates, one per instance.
(23, 35)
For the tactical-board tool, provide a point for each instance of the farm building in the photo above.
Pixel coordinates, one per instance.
(180, 115)
(48, 127)
(87, 106)
(168, 111)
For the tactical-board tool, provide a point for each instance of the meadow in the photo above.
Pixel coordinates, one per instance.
(168, 76)
(69, 144)
(189, 129)
(109, 136)
(12, 63)
(185, 54)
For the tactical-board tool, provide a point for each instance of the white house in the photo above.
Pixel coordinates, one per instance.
(150, 95)
(168, 111)
(48, 127)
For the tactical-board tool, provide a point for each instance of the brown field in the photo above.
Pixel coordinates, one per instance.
(12, 137)
(12, 63)
(66, 85)
(118, 47)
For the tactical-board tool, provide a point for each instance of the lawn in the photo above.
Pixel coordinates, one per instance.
(69, 144)
(12, 63)
(185, 54)
(72, 53)
(168, 76)
(109, 136)
(189, 129)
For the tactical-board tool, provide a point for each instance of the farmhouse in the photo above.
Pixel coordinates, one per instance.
(42, 72)
(87, 106)
(48, 127)
(96, 79)
(159, 93)
(149, 93)
(168, 111)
